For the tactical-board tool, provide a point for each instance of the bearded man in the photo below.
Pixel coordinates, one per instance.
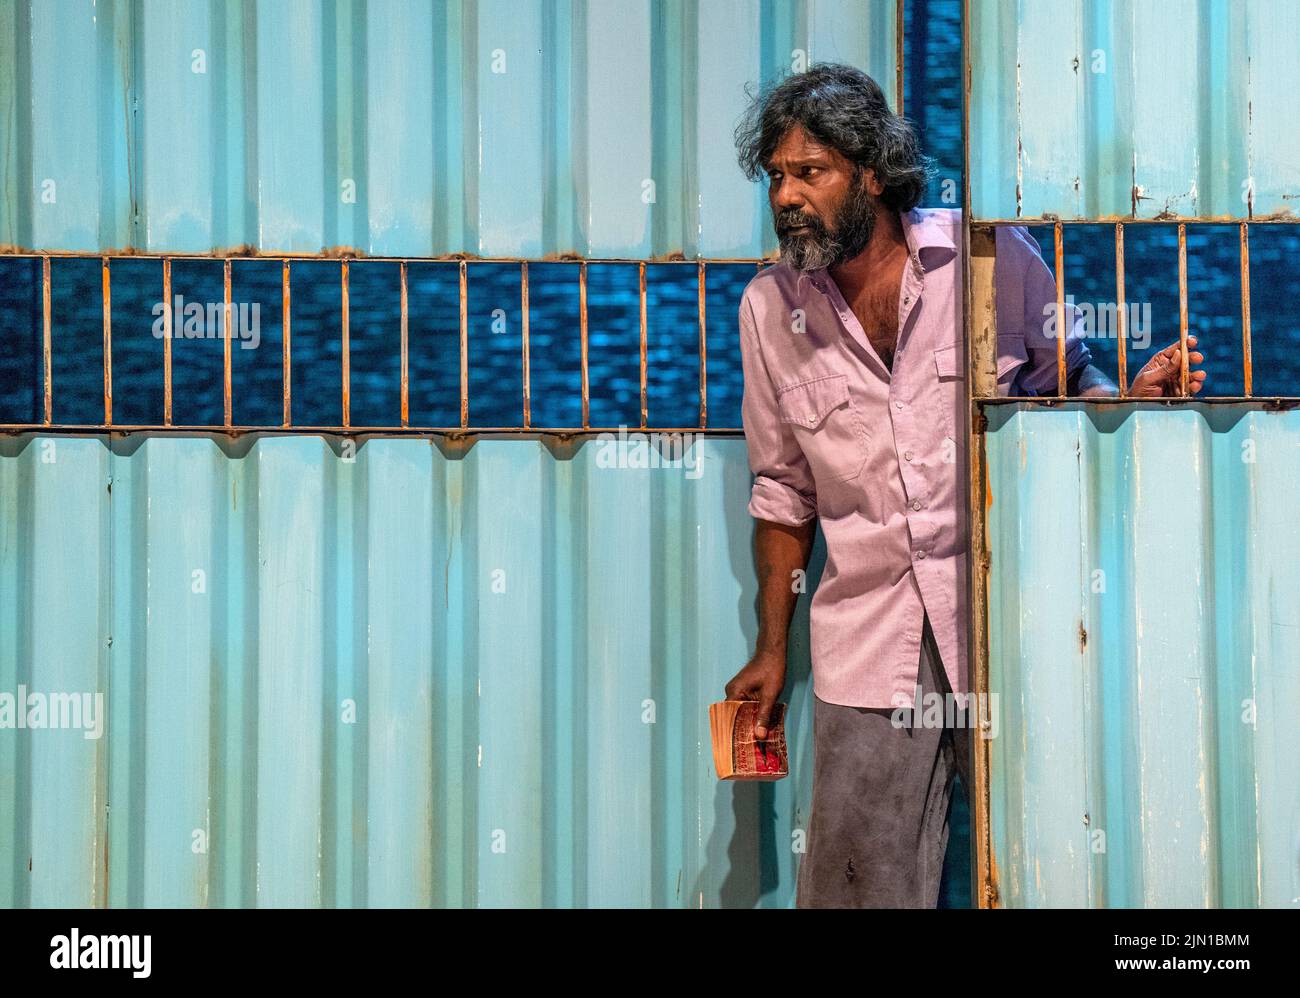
(853, 412)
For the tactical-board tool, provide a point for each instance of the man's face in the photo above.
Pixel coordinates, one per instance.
(823, 209)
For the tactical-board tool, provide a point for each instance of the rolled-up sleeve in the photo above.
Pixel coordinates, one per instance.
(1019, 254)
(783, 490)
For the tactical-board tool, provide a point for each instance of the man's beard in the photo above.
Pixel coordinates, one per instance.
(818, 247)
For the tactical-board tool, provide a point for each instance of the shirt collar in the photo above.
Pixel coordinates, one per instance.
(928, 243)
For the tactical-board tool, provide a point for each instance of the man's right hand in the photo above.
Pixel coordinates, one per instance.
(761, 679)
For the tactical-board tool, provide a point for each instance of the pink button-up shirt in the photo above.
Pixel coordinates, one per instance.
(876, 455)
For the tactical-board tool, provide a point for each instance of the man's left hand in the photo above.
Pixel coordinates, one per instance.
(1161, 375)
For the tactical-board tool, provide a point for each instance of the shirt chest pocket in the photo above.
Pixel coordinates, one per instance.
(827, 425)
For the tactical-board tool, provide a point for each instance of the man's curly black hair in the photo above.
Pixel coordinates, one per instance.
(844, 108)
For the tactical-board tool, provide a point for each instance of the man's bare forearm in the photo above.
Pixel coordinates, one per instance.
(780, 551)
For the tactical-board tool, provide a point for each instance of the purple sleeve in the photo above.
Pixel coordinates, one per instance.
(1027, 322)
(783, 490)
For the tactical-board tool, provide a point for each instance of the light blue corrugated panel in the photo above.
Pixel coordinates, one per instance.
(1144, 633)
(408, 678)
(1134, 108)
(515, 128)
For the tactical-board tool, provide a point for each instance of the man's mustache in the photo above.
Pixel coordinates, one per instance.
(793, 221)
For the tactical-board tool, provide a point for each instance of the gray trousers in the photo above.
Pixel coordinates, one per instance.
(878, 827)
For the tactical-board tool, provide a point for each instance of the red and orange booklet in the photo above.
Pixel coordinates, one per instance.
(737, 754)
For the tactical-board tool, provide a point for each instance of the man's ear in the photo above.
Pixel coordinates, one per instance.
(874, 187)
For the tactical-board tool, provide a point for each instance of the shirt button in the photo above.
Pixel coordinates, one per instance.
(916, 503)
(920, 554)
(907, 455)
(898, 405)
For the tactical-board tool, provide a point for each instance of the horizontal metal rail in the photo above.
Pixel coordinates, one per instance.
(229, 424)
(448, 432)
(1042, 220)
(1058, 239)
(10, 253)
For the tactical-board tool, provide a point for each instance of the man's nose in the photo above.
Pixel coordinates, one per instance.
(788, 195)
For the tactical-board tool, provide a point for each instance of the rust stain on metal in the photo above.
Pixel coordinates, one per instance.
(1283, 217)
(1083, 636)
(46, 346)
(1182, 308)
(704, 351)
(641, 296)
(526, 359)
(582, 335)
(1057, 232)
(347, 352)
(1247, 365)
(226, 393)
(405, 387)
(107, 296)
(464, 344)
(167, 341)
(286, 369)
(351, 253)
(1120, 310)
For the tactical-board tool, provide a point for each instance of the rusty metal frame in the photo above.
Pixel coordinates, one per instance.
(229, 424)
(286, 356)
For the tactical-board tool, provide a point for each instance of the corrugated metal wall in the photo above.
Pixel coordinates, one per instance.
(502, 750)
(515, 128)
(1143, 650)
(1143, 583)
(1146, 108)
(531, 639)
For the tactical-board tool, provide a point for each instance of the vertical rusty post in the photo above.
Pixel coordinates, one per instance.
(107, 300)
(464, 344)
(645, 411)
(704, 352)
(527, 372)
(981, 311)
(47, 346)
(979, 303)
(1121, 310)
(347, 347)
(286, 353)
(983, 318)
(225, 324)
(167, 341)
(1182, 307)
(406, 381)
(1247, 365)
(899, 21)
(1058, 236)
(582, 334)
